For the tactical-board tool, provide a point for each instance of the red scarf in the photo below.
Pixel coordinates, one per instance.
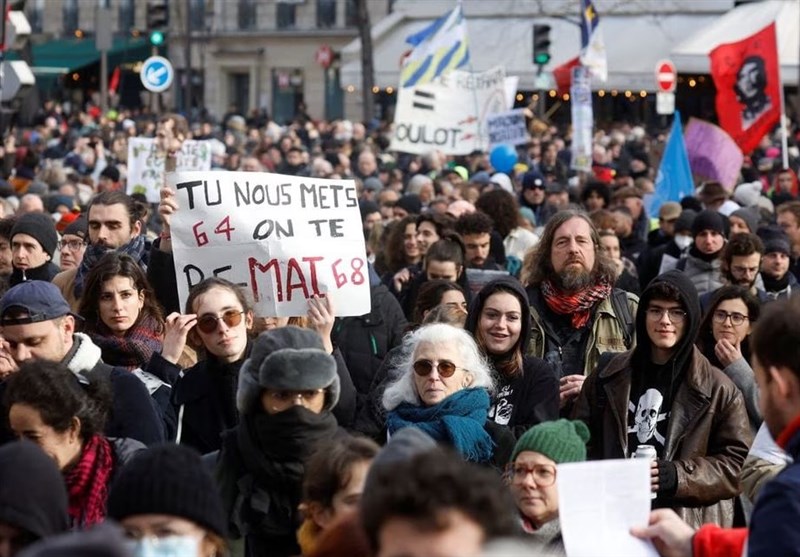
(87, 482)
(579, 304)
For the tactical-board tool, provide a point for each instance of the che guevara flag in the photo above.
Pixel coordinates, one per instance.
(748, 87)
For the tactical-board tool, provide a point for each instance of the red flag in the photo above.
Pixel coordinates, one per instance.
(748, 87)
(563, 75)
(113, 83)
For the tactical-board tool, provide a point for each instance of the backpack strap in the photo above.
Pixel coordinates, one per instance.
(619, 301)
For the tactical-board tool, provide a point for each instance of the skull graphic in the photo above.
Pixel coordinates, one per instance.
(647, 415)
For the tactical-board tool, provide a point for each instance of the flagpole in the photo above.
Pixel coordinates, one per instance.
(783, 123)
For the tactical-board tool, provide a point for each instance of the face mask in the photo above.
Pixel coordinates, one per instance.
(683, 242)
(172, 546)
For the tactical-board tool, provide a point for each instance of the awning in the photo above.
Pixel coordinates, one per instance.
(634, 43)
(691, 55)
(61, 56)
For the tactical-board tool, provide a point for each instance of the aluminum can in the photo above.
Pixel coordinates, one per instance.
(646, 451)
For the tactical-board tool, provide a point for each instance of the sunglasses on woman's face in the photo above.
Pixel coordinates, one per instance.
(425, 367)
(208, 323)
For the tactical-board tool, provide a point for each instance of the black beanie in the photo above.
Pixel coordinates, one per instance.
(708, 220)
(40, 227)
(411, 203)
(775, 240)
(168, 479)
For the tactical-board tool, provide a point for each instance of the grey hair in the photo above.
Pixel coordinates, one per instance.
(401, 386)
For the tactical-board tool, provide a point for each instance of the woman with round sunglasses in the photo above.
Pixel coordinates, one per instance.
(532, 476)
(442, 385)
(217, 321)
(527, 387)
(723, 339)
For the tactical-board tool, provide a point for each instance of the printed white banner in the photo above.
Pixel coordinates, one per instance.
(283, 238)
(448, 114)
(146, 164)
(507, 127)
(581, 97)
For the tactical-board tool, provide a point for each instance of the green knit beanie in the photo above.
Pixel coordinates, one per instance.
(561, 440)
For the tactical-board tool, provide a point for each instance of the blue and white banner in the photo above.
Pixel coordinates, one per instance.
(440, 47)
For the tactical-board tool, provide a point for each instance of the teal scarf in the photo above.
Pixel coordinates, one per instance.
(458, 420)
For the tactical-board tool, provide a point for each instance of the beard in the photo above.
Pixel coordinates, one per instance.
(574, 278)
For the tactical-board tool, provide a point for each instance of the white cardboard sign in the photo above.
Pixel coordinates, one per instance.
(283, 238)
(146, 164)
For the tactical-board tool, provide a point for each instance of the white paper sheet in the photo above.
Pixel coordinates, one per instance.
(599, 502)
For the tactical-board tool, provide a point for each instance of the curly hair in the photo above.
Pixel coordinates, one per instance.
(395, 257)
(402, 388)
(115, 264)
(60, 396)
(503, 209)
(538, 267)
(424, 488)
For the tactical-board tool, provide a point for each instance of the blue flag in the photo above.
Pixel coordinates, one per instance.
(439, 47)
(674, 180)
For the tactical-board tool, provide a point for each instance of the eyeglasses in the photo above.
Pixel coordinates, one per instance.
(444, 367)
(675, 315)
(721, 316)
(208, 323)
(544, 475)
(71, 244)
(282, 400)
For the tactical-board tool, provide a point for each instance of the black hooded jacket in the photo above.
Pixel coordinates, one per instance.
(33, 496)
(530, 396)
(664, 378)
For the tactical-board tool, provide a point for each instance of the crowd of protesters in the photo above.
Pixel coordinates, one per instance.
(519, 320)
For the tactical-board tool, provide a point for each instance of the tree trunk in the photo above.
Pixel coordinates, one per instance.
(367, 68)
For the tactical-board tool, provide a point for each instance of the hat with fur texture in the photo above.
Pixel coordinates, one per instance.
(289, 359)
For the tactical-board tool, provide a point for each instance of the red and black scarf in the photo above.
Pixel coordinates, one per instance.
(87, 483)
(578, 304)
(133, 350)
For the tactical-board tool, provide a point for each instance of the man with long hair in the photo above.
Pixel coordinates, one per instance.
(577, 314)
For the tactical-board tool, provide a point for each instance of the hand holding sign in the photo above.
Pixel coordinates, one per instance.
(287, 239)
(167, 207)
(321, 317)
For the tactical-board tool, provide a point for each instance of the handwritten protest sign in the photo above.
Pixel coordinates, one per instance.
(507, 127)
(146, 164)
(713, 154)
(582, 119)
(448, 114)
(283, 238)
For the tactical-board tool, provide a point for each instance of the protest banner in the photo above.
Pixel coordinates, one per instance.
(283, 238)
(146, 164)
(713, 154)
(448, 114)
(507, 127)
(581, 97)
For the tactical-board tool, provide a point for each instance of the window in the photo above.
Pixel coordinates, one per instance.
(286, 16)
(126, 15)
(326, 13)
(69, 13)
(36, 16)
(247, 14)
(351, 13)
(197, 15)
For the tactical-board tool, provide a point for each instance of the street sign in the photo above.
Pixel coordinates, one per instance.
(665, 103)
(157, 74)
(666, 76)
(324, 56)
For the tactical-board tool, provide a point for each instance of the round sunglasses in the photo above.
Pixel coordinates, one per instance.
(208, 323)
(444, 367)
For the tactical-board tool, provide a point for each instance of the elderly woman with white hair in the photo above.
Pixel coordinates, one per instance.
(442, 385)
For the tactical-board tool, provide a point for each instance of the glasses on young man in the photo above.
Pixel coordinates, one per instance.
(445, 368)
(208, 323)
(73, 245)
(675, 315)
(721, 316)
(544, 475)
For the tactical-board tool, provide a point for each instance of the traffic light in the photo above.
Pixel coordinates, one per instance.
(156, 38)
(541, 44)
(157, 15)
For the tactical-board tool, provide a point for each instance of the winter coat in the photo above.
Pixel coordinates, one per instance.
(607, 333)
(161, 275)
(46, 272)
(365, 340)
(707, 435)
(65, 281)
(705, 275)
(134, 413)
